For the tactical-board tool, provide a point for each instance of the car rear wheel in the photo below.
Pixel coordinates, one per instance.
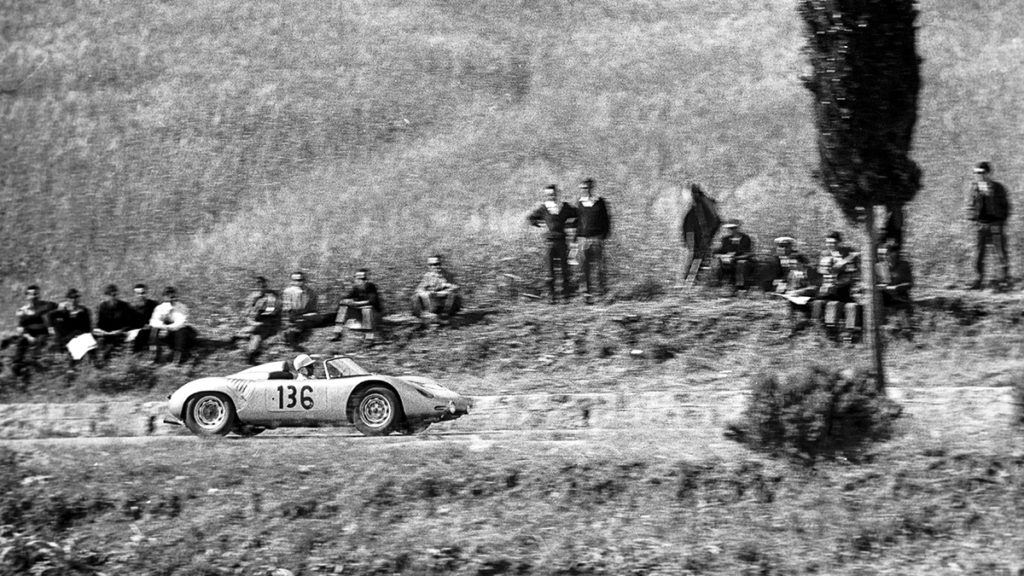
(210, 414)
(376, 412)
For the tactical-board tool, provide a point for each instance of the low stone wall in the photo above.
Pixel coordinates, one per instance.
(690, 409)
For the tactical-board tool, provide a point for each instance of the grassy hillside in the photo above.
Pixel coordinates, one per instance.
(199, 142)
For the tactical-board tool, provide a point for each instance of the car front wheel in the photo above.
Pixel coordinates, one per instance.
(377, 412)
(210, 414)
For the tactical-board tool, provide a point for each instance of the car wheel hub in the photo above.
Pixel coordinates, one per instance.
(375, 410)
(210, 412)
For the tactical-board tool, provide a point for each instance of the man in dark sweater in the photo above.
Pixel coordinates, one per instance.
(113, 321)
(989, 207)
(556, 216)
(69, 321)
(360, 309)
(33, 332)
(734, 256)
(895, 280)
(142, 310)
(593, 225)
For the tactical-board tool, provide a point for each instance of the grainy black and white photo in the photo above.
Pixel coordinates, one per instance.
(508, 288)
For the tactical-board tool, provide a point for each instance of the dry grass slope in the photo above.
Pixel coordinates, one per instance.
(198, 143)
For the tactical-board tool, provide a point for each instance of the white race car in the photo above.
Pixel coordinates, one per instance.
(312, 391)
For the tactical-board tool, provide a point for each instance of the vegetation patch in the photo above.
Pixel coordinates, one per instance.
(815, 412)
(302, 505)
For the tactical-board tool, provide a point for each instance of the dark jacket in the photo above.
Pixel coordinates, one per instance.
(114, 315)
(593, 221)
(556, 223)
(141, 313)
(69, 321)
(899, 275)
(740, 245)
(264, 307)
(34, 320)
(991, 208)
(367, 292)
(700, 224)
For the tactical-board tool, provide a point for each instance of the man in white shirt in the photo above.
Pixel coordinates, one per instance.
(169, 325)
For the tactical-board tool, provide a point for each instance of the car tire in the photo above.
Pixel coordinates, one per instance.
(246, 431)
(210, 414)
(413, 428)
(377, 411)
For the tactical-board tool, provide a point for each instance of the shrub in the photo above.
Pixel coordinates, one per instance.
(815, 412)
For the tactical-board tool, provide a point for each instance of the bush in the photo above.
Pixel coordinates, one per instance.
(815, 412)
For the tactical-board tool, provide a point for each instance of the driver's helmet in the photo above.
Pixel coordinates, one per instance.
(301, 361)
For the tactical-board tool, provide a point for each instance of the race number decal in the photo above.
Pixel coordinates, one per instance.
(293, 397)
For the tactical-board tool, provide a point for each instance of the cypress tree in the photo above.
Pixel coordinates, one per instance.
(865, 80)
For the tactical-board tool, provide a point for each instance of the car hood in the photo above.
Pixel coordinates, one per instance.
(429, 385)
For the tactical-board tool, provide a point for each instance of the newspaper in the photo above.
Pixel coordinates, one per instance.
(80, 345)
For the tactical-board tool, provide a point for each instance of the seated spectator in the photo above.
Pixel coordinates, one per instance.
(437, 296)
(262, 317)
(298, 310)
(735, 257)
(799, 288)
(114, 318)
(360, 309)
(895, 280)
(33, 332)
(69, 321)
(169, 326)
(834, 306)
(782, 262)
(142, 310)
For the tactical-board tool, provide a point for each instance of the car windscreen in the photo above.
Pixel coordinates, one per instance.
(344, 368)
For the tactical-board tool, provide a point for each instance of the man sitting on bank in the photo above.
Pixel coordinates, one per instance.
(437, 296)
(360, 309)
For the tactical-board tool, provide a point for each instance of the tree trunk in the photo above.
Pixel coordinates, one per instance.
(872, 303)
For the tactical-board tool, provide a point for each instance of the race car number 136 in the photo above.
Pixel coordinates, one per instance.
(290, 396)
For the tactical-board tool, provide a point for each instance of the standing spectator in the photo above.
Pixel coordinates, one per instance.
(169, 326)
(262, 317)
(700, 224)
(142, 310)
(437, 295)
(114, 318)
(360, 307)
(556, 216)
(895, 280)
(33, 331)
(734, 256)
(593, 226)
(69, 321)
(298, 310)
(988, 209)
